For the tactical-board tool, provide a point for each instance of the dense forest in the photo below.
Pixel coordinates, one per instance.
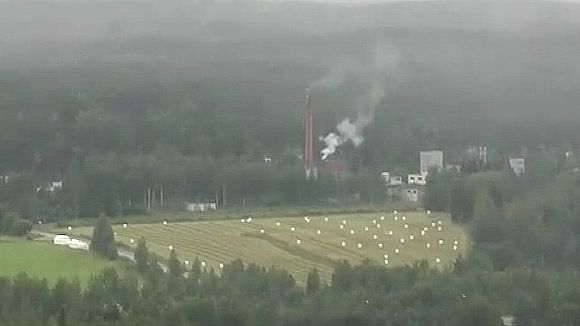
(466, 294)
(183, 101)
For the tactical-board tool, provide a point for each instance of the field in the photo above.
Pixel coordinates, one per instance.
(43, 260)
(301, 244)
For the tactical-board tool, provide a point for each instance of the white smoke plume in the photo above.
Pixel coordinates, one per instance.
(349, 131)
(375, 77)
(334, 78)
(332, 141)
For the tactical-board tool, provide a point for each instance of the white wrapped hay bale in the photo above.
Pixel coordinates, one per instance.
(61, 240)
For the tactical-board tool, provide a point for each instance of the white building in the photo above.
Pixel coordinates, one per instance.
(391, 180)
(201, 207)
(476, 154)
(54, 186)
(50, 187)
(386, 176)
(518, 165)
(61, 239)
(430, 160)
(395, 180)
(417, 179)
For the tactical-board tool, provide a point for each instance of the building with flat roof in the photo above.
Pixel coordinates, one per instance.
(430, 160)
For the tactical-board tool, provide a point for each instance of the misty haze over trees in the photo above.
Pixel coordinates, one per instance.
(115, 98)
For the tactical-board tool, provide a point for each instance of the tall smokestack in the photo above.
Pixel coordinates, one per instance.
(309, 168)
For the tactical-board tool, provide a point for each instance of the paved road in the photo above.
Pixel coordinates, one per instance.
(122, 252)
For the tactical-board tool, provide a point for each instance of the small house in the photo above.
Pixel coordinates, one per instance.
(50, 186)
(201, 207)
(386, 176)
(54, 186)
(416, 179)
(395, 180)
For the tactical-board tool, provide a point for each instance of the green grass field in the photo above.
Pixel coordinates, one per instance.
(41, 259)
(222, 241)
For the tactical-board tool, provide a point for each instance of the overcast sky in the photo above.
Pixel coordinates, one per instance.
(379, 1)
(349, 1)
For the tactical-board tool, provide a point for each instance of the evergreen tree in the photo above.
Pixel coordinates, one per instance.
(174, 265)
(342, 277)
(103, 241)
(61, 317)
(142, 256)
(153, 276)
(175, 284)
(487, 223)
(461, 202)
(3, 222)
(438, 191)
(195, 273)
(475, 312)
(313, 282)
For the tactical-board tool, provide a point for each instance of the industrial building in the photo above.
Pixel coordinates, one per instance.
(430, 160)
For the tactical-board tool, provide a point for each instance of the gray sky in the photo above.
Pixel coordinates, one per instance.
(349, 1)
(382, 1)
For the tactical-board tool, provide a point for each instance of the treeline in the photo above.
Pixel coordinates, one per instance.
(213, 103)
(11, 224)
(533, 219)
(246, 294)
(126, 184)
(150, 145)
(119, 144)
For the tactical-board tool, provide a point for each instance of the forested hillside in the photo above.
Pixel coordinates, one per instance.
(114, 98)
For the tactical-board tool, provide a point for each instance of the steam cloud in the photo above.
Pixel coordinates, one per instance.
(336, 77)
(374, 76)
